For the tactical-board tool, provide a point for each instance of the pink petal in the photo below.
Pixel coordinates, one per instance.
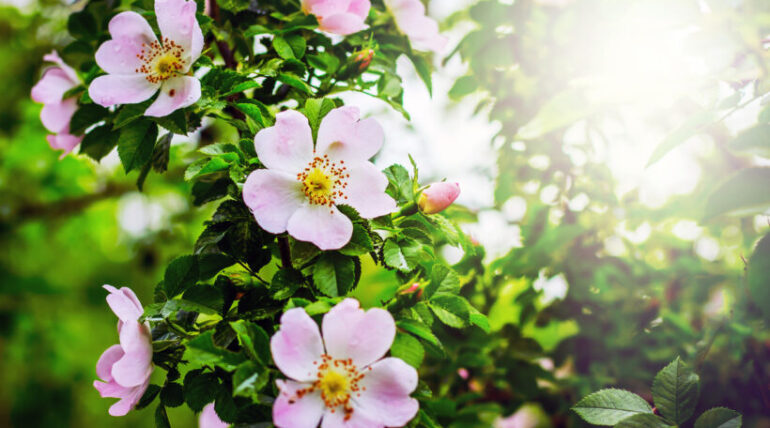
(129, 32)
(360, 8)
(177, 22)
(358, 419)
(386, 398)
(52, 86)
(121, 89)
(56, 115)
(290, 411)
(342, 23)
(351, 332)
(107, 360)
(56, 59)
(120, 56)
(366, 190)
(64, 141)
(175, 93)
(272, 196)
(124, 303)
(321, 8)
(135, 367)
(324, 226)
(112, 390)
(288, 145)
(411, 20)
(209, 418)
(122, 407)
(343, 136)
(296, 345)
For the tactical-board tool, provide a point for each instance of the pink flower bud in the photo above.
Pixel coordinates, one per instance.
(438, 196)
(463, 373)
(363, 58)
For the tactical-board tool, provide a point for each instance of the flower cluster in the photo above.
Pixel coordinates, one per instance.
(125, 369)
(58, 110)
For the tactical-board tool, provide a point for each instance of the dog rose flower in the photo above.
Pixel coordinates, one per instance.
(302, 186)
(411, 20)
(438, 196)
(138, 64)
(341, 378)
(209, 418)
(338, 16)
(125, 369)
(57, 111)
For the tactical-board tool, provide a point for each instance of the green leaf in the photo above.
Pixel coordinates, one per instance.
(610, 406)
(283, 48)
(478, 319)
(420, 330)
(563, 109)
(136, 143)
(82, 25)
(758, 275)
(719, 417)
(691, 127)
(181, 274)
(755, 140)
(295, 82)
(249, 379)
(675, 391)
(225, 406)
(252, 111)
(401, 186)
(130, 112)
(442, 280)
(204, 296)
(408, 349)
(171, 395)
(334, 274)
(254, 340)
(642, 420)
(148, 397)
(360, 242)
(86, 116)
(315, 110)
(161, 418)
(451, 309)
(463, 86)
(402, 254)
(199, 389)
(298, 45)
(99, 142)
(743, 194)
(423, 68)
(202, 351)
(176, 122)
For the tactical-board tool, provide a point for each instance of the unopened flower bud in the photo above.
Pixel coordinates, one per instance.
(438, 196)
(414, 288)
(363, 58)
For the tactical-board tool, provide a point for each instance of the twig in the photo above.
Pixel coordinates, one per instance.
(283, 246)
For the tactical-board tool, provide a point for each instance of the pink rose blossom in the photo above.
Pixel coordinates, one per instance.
(338, 16)
(411, 20)
(125, 369)
(438, 196)
(57, 111)
(302, 185)
(341, 379)
(138, 64)
(209, 418)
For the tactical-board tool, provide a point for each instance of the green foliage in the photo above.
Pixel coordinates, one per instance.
(675, 391)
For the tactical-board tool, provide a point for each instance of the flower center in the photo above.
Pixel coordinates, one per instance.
(324, 181)
(338, 383)
(160, 61)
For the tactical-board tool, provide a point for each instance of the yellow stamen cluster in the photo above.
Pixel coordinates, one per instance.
(338, 381)
(323, 181)
(160, 61)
